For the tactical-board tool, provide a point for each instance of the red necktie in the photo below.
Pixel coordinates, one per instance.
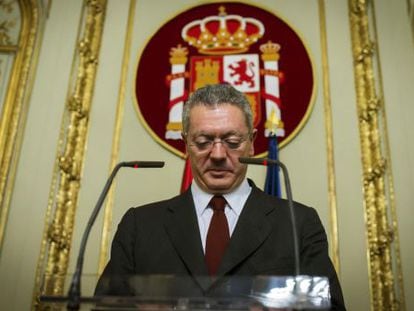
(218, 236)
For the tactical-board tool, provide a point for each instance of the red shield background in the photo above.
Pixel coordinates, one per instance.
(296, 91)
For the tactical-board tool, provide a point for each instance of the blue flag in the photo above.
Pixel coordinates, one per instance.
(272, 183)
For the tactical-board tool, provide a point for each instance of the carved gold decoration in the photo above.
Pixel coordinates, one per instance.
(57, 240)
(107, 221)
(333, 209)
(15, 105)
(5, 27)
(8, 21)
(381, 224)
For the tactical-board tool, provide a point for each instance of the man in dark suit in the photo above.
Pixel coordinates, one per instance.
(191, 236)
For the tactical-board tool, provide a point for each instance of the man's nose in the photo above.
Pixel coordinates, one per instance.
(218, 151)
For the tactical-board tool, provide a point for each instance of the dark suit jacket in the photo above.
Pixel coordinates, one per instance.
(163, 238)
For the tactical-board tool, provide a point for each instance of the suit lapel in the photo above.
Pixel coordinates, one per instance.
(251, 231)
(182, 228)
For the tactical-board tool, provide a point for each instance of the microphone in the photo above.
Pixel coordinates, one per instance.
(142, 164)
(274, 162)
(75, 286)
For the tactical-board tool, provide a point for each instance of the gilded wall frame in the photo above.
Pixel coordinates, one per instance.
(382, 237)
(56, 244)
(16, 100)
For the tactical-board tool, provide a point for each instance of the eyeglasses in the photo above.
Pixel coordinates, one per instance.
(205, 143)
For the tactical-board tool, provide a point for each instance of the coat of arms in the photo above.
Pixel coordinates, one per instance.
(247, 47)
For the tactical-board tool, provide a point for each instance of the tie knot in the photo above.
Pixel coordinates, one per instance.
(218, 203)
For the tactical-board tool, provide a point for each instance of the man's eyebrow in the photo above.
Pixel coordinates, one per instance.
(198, 134)
(206, 134)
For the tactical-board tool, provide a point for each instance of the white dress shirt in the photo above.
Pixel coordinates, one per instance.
(235, 202)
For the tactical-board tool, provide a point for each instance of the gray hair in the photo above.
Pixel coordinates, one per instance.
(214, 95)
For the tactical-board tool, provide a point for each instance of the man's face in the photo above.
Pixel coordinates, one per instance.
(216, 138)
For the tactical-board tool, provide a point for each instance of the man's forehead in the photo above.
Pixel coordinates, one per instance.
(230, 118)
(226, 107)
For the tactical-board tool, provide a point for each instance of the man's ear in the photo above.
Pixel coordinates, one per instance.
(254, 135)
(184, 137)
(253, 138)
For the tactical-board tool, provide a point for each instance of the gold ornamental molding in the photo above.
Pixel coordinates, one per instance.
(327, 107)
(20, 30)
(66, 182)
(385, 276)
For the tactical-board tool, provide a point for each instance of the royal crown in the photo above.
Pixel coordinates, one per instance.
(270, 51)
(178, 55)
(222, 33)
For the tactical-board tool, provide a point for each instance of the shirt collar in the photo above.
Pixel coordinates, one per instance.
(235, 199)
